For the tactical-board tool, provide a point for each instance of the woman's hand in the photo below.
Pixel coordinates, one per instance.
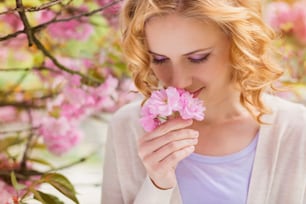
(162, 149)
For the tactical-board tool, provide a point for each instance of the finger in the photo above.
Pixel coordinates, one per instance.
(170, 148)
(168, 126)
(156, 143)
(171, 161)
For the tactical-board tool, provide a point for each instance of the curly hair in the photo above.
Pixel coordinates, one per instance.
(253, 64)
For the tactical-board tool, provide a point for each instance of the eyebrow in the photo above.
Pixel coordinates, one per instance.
(189, 53)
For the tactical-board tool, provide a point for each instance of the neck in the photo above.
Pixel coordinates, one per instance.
(224, 108)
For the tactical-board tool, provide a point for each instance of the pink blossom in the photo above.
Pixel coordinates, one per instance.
(6, 193)
(8, 114)
(169, 102)
(148, 120)
(111, 13)
(13, 20)
(105, 95)
(59, 134)
(73, 29)
(45, 16)
(299, 15)
(164, 102)
(191, 108)
(126, 94)
(278, 14)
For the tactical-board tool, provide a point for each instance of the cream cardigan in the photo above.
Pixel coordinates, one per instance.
(278, 175)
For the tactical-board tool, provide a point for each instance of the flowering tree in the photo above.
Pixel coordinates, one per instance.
(59, 63)
(288, 18)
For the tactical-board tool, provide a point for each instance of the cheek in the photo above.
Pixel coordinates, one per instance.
(212, 72)
(163, 74)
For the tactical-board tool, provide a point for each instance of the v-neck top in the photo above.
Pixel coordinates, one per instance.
(216, 179)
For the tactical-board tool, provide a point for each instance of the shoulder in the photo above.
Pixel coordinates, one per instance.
(287, 119)
(287, 110)
(129, 110)
(127, 118)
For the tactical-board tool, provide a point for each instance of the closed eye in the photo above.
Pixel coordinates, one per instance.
(159, 60)
(199, 59)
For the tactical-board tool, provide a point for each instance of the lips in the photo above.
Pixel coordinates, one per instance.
(197, 92)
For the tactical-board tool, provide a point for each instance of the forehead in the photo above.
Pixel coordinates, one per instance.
(177, 34)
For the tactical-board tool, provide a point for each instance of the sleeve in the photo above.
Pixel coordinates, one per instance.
(111, 192)
(124, 178)
(149, 194)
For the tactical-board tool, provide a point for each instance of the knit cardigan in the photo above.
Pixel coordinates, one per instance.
(278, 174)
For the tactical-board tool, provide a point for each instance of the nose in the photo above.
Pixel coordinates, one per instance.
(181, 78)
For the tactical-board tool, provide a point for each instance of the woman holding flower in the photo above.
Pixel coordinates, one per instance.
(251, 146)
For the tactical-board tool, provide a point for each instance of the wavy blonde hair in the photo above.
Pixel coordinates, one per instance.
(254, 68)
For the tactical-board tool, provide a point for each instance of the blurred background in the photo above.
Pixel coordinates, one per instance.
(62, 76)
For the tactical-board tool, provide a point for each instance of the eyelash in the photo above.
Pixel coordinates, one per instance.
(200, 60)
(196, 61)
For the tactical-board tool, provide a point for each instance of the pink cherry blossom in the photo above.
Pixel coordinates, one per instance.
(126, 93)
(105, 96)
(59, 134)
(111, 13)
(278, 14)
(148, 120)
(13, 20)
(169, 102)
(6, 193)
(164, 102)
(7, 114)
(191, 108)
(299, 15)
(66, 30)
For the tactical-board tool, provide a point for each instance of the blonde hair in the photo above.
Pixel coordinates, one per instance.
(254, 69)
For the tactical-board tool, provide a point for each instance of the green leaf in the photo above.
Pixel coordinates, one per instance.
(10, 141)
(41, 161)
(39, 146)
(46, 198)
(62, 184)
(15, 183)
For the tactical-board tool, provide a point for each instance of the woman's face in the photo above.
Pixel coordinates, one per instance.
(190, 54)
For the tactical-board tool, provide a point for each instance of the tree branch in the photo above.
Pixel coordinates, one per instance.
(46, 24)
(19, 81)
(23, 164)
(18, 131)
(29, 69)
(33, 9)
(22, 104)
(86, 78)
(25, 21)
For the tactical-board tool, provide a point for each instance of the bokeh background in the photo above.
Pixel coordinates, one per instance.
(62, 75)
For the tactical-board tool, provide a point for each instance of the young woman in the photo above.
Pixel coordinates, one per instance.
(251, 146)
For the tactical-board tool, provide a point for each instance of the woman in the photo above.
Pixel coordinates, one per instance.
(251, 146)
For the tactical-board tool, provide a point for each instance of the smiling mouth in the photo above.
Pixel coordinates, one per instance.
(197, 92)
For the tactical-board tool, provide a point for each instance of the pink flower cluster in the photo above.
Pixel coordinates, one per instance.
(289, 18)
(73, 29)
(59, 134)
(111, 13)
(6, 193)
(75, 102)
(170, 102)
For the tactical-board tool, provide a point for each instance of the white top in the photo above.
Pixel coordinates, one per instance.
(278, 174)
